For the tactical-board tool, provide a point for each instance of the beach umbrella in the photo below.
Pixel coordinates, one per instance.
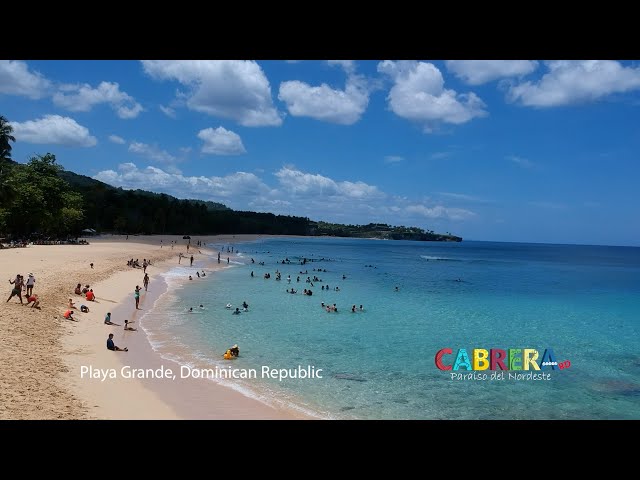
(186, 237)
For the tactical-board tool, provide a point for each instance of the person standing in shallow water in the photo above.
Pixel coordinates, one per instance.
(145, 281)
(136, 295)
(191, 265)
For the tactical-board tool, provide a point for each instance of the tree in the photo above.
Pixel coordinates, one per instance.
(5, 154)
(40, 201)
(5, 137)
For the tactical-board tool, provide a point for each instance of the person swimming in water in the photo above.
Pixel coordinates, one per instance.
(237, 311)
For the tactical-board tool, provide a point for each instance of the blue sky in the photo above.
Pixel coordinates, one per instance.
(490, 150)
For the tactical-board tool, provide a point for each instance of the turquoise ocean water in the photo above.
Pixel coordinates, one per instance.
(581, 301)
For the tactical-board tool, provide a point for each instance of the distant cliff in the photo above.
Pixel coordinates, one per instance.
(382, 231)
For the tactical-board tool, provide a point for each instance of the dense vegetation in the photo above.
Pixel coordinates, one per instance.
(382, 230)
(40, 198)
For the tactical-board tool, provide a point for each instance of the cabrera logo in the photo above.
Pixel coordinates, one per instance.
(512, 359)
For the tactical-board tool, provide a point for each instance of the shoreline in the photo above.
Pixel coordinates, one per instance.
(40, 374)
(188, 398)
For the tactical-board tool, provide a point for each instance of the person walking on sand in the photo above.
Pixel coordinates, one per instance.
(17, 288)
(191, 265)
(113, 347)
(31, 281)
(136, 295)
(145, 281)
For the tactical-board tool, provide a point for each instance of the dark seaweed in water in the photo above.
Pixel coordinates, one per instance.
(618, 387)
(349, 376)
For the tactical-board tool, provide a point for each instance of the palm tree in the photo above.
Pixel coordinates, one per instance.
(5, 137)
(5, 154)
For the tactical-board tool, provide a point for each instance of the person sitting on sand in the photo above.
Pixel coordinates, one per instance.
(84, 309)
(107, 320)
(33, 298)
(78, 290)
(127, 327)
(235, 351)
(71, 304)
(91, 296)
(69, 315)
(113, 347)
(85, 289)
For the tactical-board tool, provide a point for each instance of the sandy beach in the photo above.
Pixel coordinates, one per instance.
(43, 353)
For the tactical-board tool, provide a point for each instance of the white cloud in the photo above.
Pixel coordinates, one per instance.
(348, 65)
(235, 89)
(117, 139)
(16, 79)
(418, 94)
(316, 185)
(53, 129)
(152, 152)
(461, 196)
(440, 211)
(576, 81)
(230, 188)
(294, 192)
(82, 98)
(344, 107)
(477, 72)
(440, 155)
(523, 162)
(393, 159)
(168, 111)
(220, 141)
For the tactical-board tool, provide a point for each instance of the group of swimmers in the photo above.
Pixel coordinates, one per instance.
(308, 292)
(198, 275)
(245, 308)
